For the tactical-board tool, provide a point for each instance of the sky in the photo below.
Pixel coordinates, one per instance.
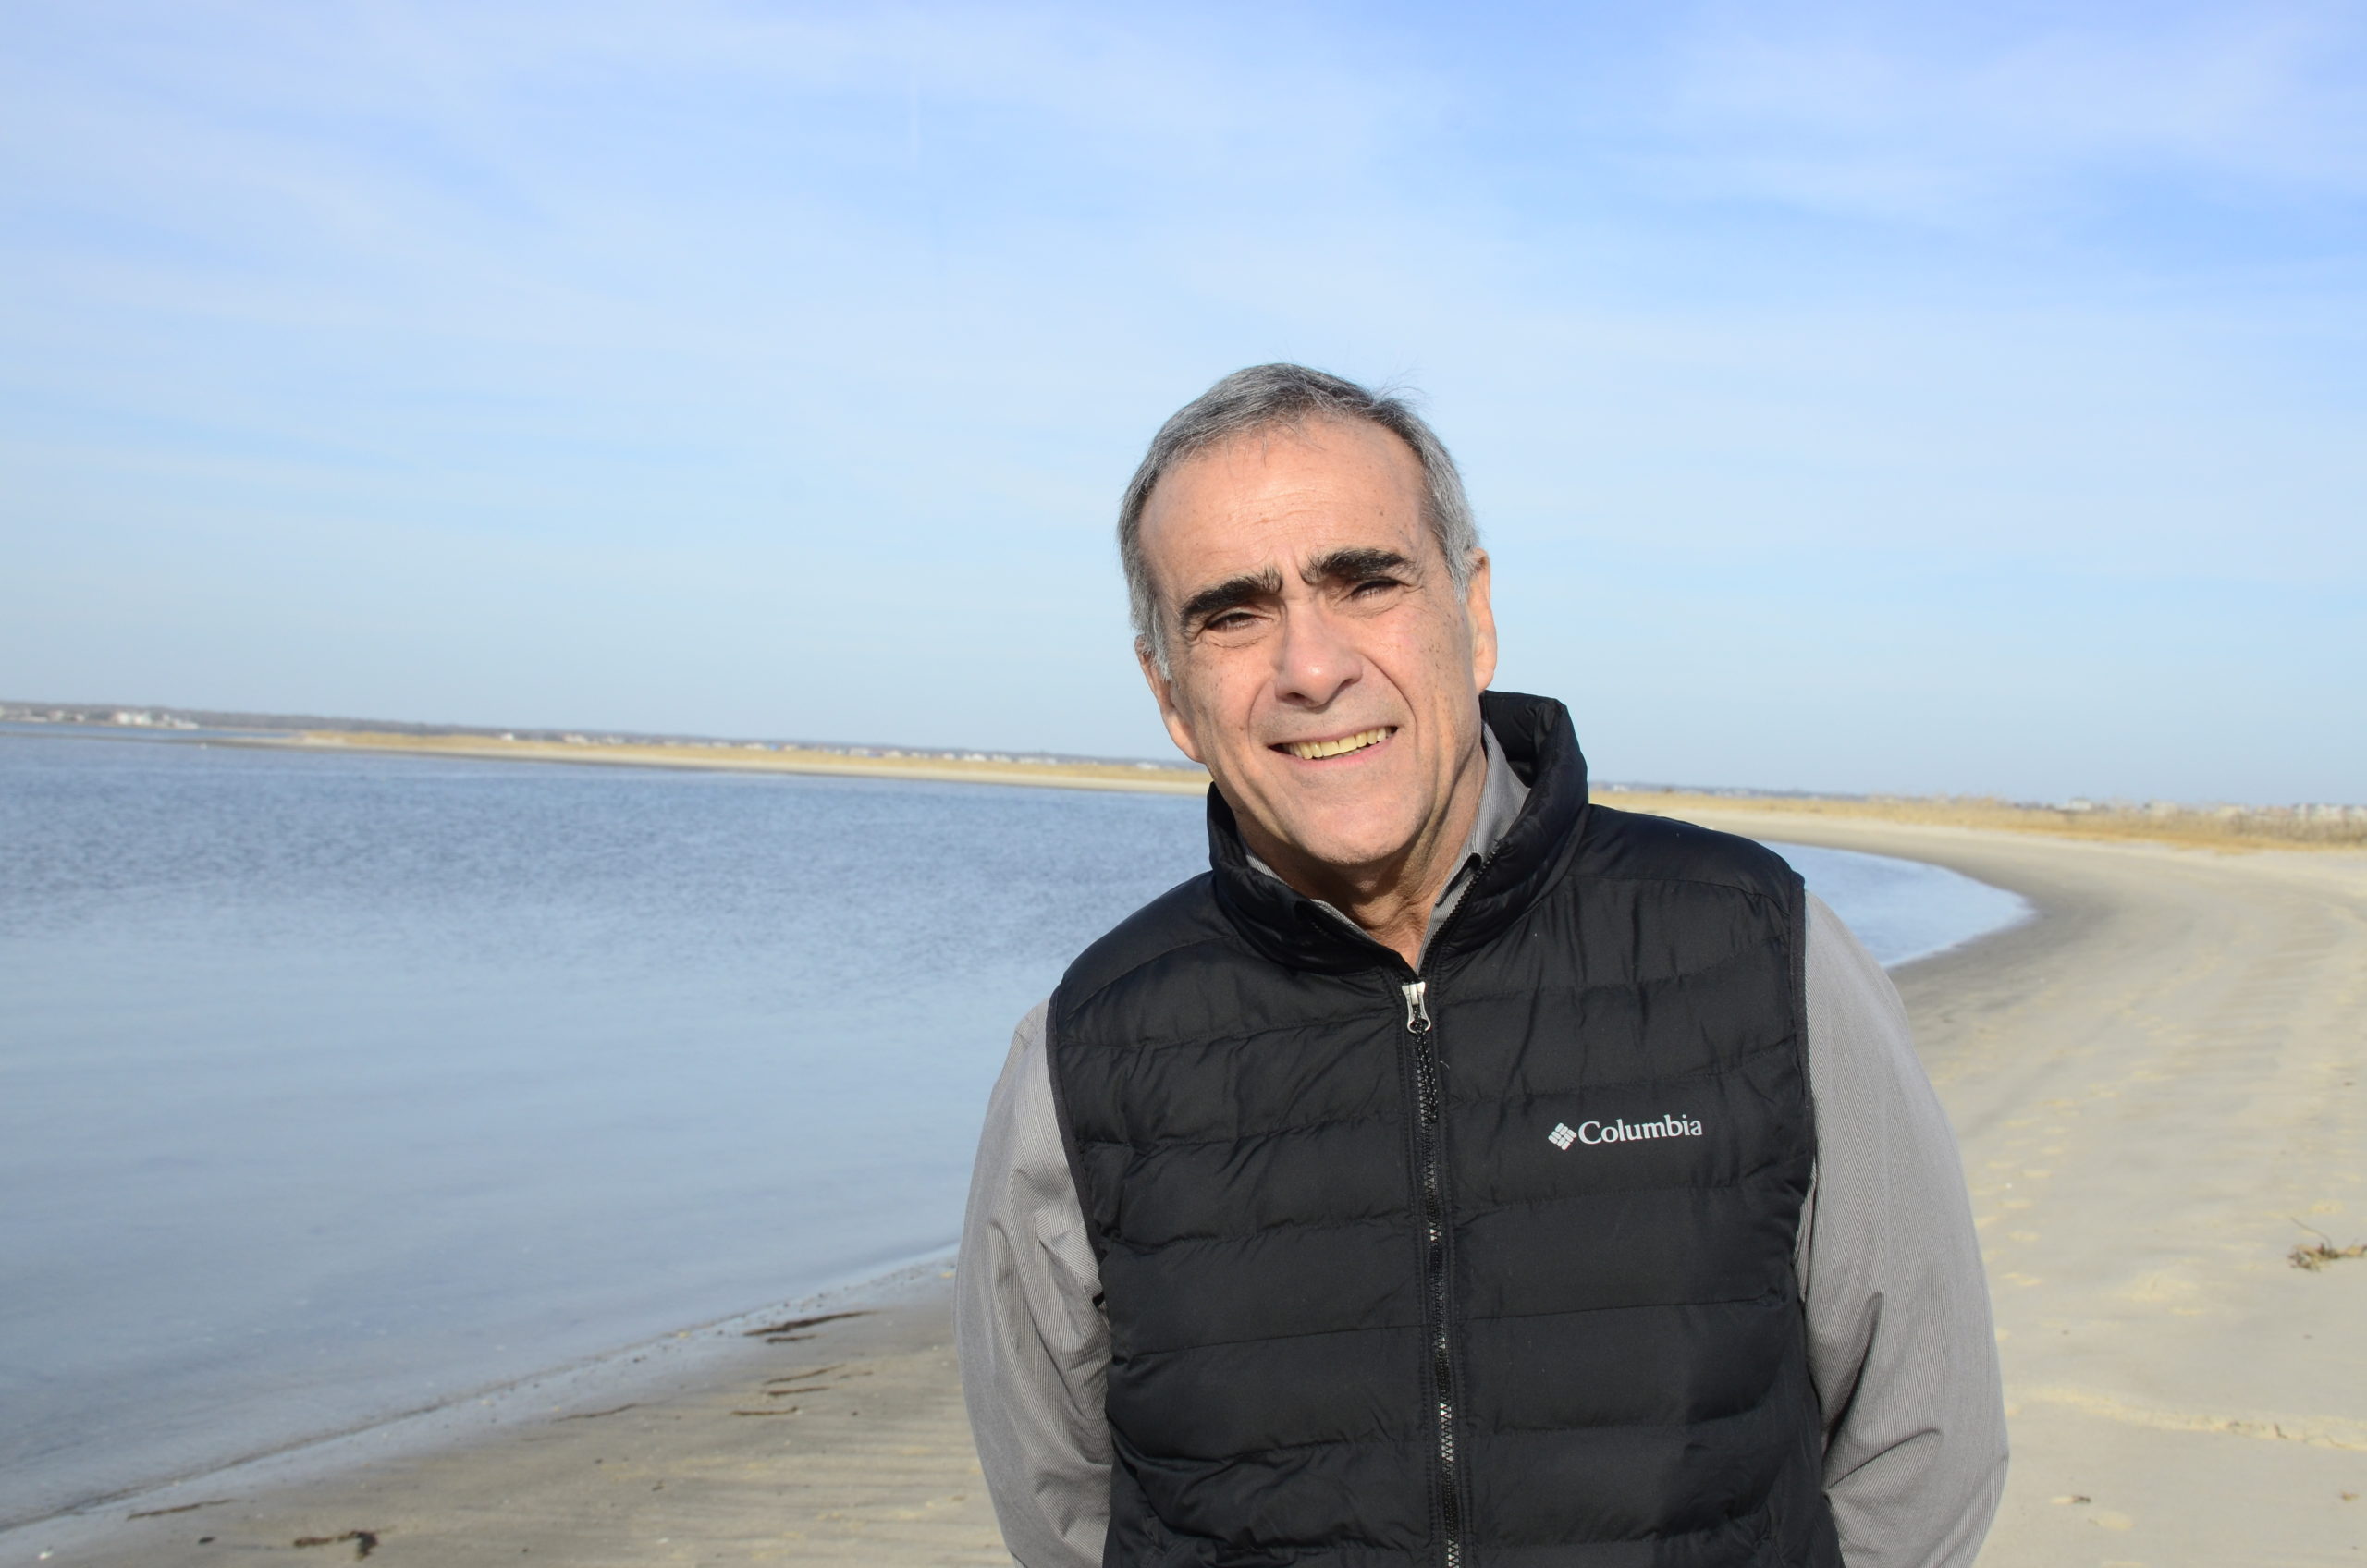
(1965, 399)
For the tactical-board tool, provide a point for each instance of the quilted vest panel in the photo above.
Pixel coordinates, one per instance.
(1496, 1271)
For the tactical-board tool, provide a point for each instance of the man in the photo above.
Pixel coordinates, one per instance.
(1459, 1172)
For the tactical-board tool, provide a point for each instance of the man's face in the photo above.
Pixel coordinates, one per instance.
(1323, 666)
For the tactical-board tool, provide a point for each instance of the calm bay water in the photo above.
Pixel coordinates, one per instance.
(335, 1086)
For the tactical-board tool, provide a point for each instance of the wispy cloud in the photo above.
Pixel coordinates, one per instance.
(1988, 115)
(863, 313)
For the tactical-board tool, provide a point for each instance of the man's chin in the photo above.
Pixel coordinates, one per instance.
(1327, 816)
(1342, 849)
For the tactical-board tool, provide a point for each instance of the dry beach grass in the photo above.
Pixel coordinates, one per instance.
(2153, 1084)
(2160, 822)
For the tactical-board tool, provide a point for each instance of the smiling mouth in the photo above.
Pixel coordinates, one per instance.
(1316, 751)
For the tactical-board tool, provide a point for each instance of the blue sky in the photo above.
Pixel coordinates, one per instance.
(1945, 398)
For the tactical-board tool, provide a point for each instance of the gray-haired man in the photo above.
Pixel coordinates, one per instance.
(1458, 1172)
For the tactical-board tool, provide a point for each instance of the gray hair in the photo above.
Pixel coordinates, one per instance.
(1285, 397)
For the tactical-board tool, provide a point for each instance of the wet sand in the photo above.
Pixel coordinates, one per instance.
(2152, 1083)
(840, 1441)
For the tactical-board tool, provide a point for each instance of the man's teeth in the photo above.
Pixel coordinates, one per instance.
(1310, 750)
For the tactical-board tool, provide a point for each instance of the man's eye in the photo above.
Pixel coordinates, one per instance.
(1372, 586)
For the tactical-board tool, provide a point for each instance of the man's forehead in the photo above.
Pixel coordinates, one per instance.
(1283, 498)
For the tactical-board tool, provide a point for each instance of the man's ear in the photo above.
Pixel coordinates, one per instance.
(1479, 613)
(1162, 691)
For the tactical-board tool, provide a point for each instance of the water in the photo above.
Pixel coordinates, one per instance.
(1903, 910)
(334, 1086)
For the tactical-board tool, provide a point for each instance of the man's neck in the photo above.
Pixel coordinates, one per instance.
(1390, 900)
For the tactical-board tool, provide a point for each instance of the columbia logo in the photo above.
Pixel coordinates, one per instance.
(1669, 1126)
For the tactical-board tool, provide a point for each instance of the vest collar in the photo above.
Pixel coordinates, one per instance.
(1293, 930)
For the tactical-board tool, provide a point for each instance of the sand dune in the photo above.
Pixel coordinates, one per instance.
(2157, 1084)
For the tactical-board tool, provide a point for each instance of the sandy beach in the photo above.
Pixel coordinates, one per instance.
(839, 1439)
(2158, 1084)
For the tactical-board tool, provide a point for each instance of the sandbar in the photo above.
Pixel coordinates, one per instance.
(934, 767)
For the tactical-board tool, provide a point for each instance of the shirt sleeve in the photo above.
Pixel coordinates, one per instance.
(1028, 1327)
(1900, 1344)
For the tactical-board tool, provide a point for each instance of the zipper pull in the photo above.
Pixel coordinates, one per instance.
(1417, 1009)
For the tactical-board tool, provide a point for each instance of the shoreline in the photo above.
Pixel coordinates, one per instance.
(2228, 830)
(2240, 834)
(2151, 1080)
(902, 1304)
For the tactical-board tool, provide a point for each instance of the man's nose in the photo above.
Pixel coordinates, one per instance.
(1314, 661)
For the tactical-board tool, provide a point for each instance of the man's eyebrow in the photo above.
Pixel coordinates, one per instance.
(1355, 565)
(1231, 593)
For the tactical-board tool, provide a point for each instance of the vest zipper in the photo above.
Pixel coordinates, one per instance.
(1427, 1096)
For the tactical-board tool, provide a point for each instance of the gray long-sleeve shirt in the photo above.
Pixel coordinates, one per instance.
(1899, 1341)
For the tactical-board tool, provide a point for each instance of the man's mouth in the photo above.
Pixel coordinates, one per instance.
(1316, 751)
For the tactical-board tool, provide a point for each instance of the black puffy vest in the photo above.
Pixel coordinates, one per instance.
(1496, 1273)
